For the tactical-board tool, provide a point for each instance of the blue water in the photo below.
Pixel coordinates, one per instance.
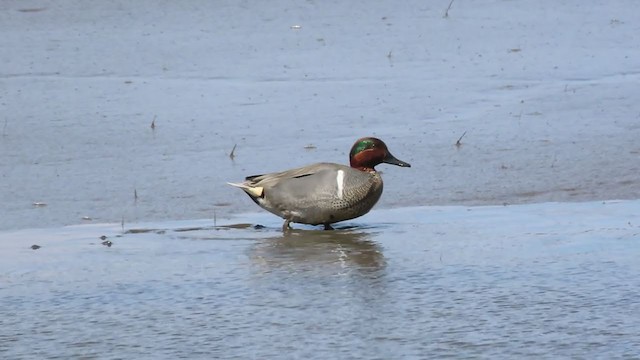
(537, 281)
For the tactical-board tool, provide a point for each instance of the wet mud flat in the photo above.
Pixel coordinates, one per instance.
(547, 104)
(540, 280)
(119, 118)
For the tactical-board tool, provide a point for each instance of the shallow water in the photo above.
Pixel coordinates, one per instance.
(544, 281)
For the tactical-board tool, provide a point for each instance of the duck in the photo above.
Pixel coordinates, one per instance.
(324, 193)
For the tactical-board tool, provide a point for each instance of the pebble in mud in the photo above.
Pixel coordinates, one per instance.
(35, 247)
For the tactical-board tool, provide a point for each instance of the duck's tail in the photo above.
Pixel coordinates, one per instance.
(253, 191)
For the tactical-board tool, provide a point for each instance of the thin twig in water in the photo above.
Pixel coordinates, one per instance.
(153, 123)
(446, 13)
(135, 195)
(232, 154)
(459, 142)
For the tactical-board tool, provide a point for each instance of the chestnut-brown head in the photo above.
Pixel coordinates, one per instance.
(368, 152)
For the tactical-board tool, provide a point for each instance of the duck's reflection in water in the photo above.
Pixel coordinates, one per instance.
(339, 252)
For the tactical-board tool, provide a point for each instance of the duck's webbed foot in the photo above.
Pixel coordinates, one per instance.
(285, 226)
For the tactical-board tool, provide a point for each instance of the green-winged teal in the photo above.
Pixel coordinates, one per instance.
(324, 193)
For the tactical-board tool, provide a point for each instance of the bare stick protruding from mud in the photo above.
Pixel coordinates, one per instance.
(232, 154)
(459, 142)
(446, 13)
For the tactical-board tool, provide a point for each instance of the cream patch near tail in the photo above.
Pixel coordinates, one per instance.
(252, 191)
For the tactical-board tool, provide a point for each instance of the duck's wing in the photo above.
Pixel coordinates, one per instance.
(288, 180)
(279, 177)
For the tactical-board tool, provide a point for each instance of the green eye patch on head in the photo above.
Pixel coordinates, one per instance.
(362, 146)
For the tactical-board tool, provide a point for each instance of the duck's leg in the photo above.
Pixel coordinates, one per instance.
(328, 226)
(285, 226)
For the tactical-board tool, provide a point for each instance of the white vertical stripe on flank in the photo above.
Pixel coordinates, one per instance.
(340, 181)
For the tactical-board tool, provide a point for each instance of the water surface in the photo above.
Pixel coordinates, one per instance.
(543, 281)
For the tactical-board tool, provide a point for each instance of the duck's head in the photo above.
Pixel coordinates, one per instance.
(368, 152)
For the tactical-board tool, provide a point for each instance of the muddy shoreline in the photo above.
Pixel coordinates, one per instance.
(545, 117)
